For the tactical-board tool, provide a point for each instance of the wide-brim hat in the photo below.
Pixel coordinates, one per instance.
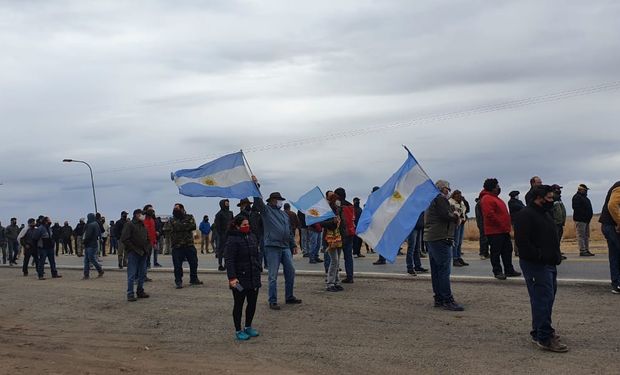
(583, 186)
(243, 201)
(276, 195)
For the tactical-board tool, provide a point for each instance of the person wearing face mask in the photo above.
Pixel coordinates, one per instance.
(279, 245)
(222, 222)
(205, 231)
(539, 252)
(357, 242)
(497, 226)
(135, 239)
(29, 244)
(45, 248)
(12, 231)
(182, 227)
(346, 212)
(582, 215)
(243, 267)
(151, 230)
(78, 232)
(118, 231)
(559, 211)
(440, 221)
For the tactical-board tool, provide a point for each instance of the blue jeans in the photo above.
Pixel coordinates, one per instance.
(613, 245)
(303, 240)
(136, 266)
(413, 251)
(440, 256)
(275, 256)
(90, 257)
(347, 252)
(542, 286)
(49, 254)
(13, 250)
(459, 233)
(314, 244)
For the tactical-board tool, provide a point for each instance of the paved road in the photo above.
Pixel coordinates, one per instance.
(594, 268)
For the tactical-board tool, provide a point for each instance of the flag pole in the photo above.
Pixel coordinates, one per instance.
(246, 162)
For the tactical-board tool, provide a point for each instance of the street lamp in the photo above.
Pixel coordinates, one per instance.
(92, 180)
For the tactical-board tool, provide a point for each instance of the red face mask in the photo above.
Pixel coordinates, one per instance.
(244, 230)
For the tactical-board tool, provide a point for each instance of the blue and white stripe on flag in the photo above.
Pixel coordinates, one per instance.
(392, 211)
(314, 205)
(226, 177)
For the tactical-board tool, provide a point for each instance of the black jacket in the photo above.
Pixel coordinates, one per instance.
(66, 232)
(582, 208)
(514, 205)
(243, 259)
(536, 236)
(56, 232)
(222, 222)
(79, 229)
(135, 237)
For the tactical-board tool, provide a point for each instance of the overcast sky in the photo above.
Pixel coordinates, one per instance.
(128, 84)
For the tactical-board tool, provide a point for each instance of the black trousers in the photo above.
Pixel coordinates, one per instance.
(28, 253)
(239, 297)
(501, 248)
(357, 245)
(181, 254)
(57, 242)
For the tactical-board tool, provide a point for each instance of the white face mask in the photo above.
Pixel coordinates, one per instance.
(141, 217)
(338, 203)
(279, 204)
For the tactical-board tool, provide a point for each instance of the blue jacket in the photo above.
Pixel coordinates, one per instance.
(276, 226)
(204, 227)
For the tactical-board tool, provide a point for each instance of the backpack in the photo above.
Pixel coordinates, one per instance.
(333, 238)
(348, 214)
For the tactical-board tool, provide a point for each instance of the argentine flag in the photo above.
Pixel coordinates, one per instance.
(314, 205)
(392, 211)
(226, 177)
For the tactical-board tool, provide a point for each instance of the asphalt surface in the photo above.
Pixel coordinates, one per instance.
(574, 268)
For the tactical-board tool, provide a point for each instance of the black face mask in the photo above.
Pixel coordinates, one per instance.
(499, 191)
(178, 214)
(547, 206)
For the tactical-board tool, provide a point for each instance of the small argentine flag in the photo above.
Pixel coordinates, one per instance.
(392, 211)
(314, 205)
(226, 177)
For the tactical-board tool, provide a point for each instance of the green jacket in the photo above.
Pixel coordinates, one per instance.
(135, 237)
(182, 231)
(439, 220)
(559, 213)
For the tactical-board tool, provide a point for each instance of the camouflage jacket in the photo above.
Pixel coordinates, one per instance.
(181, 231)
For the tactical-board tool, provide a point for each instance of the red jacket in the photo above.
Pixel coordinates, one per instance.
(496, 218)
(149, 224)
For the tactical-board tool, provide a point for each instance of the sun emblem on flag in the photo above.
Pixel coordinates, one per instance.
(209, 181)
(396, 196)
(314, 212)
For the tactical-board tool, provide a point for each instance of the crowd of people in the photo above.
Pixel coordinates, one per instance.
(263, 236)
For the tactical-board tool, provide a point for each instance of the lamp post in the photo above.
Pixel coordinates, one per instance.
(92, 180)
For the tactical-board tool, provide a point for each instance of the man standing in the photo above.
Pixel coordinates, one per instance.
(135, 240)
(346, 212)
(440, 223)
(539, 249)
(294, 222)
(514, 204)
(205, 230)
(92, 235)
(414, 261)
(582, 215)
(482, 239)
(66, 233)
(534, 181)
(151, 231)
(458, 205)
(279, 246)
(45, 248)
(12, 231)
(303, 233)
(29, 243)
(3, 243)
(610, 220)
(182, 227)
(222, 221)
(497, 227)
(118, 231)
(357, 241)
(56, 236)
(559, 211)
(78, 232)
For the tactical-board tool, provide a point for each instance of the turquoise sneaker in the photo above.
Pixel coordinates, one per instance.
(251, 332)
(242, 336)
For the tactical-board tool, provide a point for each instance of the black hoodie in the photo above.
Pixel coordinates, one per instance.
(536, 236)
(222, 222)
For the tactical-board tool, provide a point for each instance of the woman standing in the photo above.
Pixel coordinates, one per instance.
(243, 266)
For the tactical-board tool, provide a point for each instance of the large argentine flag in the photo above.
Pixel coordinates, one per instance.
(392, 211)
(314, 205)
(226, 177)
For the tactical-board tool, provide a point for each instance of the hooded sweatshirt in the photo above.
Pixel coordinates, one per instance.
(496, 218)
(222, 222)
(92, 232)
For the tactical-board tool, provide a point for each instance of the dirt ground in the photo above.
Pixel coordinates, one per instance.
(69, 326)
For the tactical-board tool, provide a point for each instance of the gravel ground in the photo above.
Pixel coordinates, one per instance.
(69, 326)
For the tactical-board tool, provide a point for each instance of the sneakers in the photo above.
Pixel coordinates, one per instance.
(451, 305)
(196, 282)
(513, 274)
(412, 272)
(339, 287)
(379, 262)
(421, 270)
(331, 288)
(242, 336)
(157, 265)
(500, 276)
(615, 289)
(553, 345)
(274, 306)
(347, 281)
(319, 260)
(586, 253)
(293, 301)
(148, 280)
(178, 286)
(360, 256)
(56, 276)
(100, 273)
(131, 298)
(221, 268)
(251, 332)
(143, 294)
(484, 257)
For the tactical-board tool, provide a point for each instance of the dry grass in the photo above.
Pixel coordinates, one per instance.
(472, 234)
